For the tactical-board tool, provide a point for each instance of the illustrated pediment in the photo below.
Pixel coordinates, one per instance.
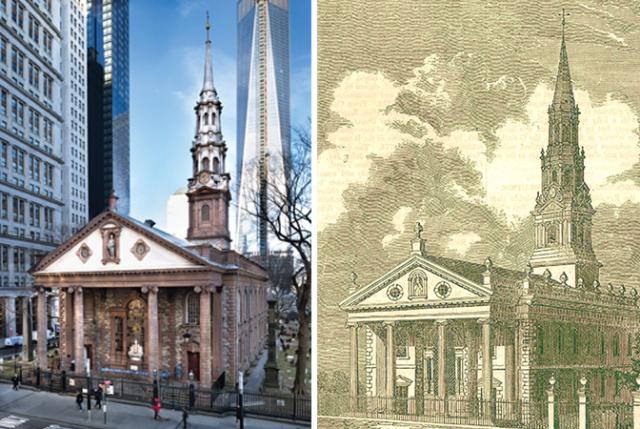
(419, 281)
(117, 243)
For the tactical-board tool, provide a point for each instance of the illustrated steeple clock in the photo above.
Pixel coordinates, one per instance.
(563, 212)
(208, 189)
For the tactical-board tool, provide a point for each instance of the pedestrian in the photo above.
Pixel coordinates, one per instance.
(156, 408)
(98, 395)
(15, 381)
(79, 399)
(72, 366)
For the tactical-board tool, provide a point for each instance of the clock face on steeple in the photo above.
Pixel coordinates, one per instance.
(204, 177)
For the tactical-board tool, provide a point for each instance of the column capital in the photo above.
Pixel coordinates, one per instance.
(485, 321)
(388, 323)
(78, 290)
(353, 324)
(149, 289)
(40, 289)
(441, 322)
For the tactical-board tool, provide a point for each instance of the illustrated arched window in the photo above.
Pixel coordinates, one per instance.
(552, 233)
(574, 233)
(616, 345)
(192, 307)
(602, 345)
(205, 213)
(567, 177)
(418, 284)
(206, 119)
(554, 176)
(574, 341)
(540, 340)
(205, 163)
(559, 341)
(216, 165)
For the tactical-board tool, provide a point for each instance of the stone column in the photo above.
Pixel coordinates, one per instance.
(636, 405)
(153, 362)
(582, 404)
(473, 367)
(353, 362)
(205, 336)
(27, 345)
(390, 356)
(509, 366)
(78, 320)
(216, 341)
(442, 358)
(487, 366)
(42, 328)
(10, 316)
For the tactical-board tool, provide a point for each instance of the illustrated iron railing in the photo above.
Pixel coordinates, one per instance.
(172, 396)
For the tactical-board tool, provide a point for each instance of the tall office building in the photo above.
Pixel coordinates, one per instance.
(108, 86)
(42, 138)
(264, 129)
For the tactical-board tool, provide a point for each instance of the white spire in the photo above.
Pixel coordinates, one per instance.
(207, 85)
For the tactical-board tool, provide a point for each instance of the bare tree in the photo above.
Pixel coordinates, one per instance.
(288, 218)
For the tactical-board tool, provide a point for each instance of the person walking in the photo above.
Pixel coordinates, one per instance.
(15, 381)
(79, 399)
(98, 395)
(72, 366)
(156, 408)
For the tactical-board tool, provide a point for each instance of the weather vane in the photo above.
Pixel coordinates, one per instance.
(208, 26)
(564, 21)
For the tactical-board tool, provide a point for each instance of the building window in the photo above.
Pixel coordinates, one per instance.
(616, 345)
(459, 373)
(603, 348)
(3, 50)
(193, 308)
(4, 95)
(205, 164)
(540, 338)
(429, 372)
(629, 345)
(119, 334)
(552, 231)
(205, 213)
(216, 165)
(574, 341)
(559, 341)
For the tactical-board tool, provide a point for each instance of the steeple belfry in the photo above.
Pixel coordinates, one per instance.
(208, 190)
(563, 212)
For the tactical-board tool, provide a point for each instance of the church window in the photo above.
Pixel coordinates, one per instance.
(567, 177)
(418, 284)
(206, 119)
(602, 345)
(540, 335)
(193, 309)
(629, 345)
(429, 372)
(552, 233)
(574, 232)
(118, 334)
(205, 163)
(559, 341)
(136, 314)
(205, 213)
(554, 176)
(616, 345)
(216, 165)
(459, 373)
(574, 341)
(603, 384)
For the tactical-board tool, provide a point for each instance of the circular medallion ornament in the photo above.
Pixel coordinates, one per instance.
(141, 249)
(442, 290)
(552, 193)
(204, 177)
(394, 292)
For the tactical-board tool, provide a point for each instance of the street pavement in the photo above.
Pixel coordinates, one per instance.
(30, 409)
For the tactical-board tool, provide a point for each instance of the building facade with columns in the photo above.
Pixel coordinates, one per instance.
(435, 328)
(134, 299)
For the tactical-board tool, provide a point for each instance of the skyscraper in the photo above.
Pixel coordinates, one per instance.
(108, 85)
(264, 129)
(43, 195)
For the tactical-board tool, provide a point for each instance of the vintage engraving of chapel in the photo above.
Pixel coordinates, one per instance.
(492, 313)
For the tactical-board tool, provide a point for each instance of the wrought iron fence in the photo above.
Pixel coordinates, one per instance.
(610, 415)
(172, 396)
(454, 411)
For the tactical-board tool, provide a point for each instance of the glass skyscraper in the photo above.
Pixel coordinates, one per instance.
(108, 103)
(264, 129)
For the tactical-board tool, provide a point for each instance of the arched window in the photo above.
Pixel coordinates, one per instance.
(206, 119)
(554, 176)
(205, 163)
(616, 345)
(216, 165)
(574, 341)
(540, 339)
(418, 284)
(192, 306)
(205, 214)
(567, 177)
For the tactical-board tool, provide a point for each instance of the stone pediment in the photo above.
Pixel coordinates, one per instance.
(422, 281)
(112, 243)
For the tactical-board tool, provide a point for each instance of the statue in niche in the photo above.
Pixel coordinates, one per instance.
(111, 245)
(418, 285)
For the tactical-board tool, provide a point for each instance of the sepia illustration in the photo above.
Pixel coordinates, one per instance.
(478, 198)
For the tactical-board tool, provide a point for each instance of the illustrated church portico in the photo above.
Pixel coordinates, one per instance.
(436, 336)
(135, 301)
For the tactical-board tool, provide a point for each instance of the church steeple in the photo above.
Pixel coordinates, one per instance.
(208, 190)
(563, 212)
(563, 95)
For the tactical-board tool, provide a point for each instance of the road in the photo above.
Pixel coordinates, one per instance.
(38, 410)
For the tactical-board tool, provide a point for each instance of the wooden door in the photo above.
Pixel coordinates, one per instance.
(193, 360)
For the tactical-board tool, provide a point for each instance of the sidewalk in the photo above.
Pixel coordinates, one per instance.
(63, 410)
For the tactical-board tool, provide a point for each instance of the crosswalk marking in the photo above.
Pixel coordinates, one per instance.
(55, 427)
(12, 421)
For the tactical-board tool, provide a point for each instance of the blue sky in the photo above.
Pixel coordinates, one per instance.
(166, 70)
